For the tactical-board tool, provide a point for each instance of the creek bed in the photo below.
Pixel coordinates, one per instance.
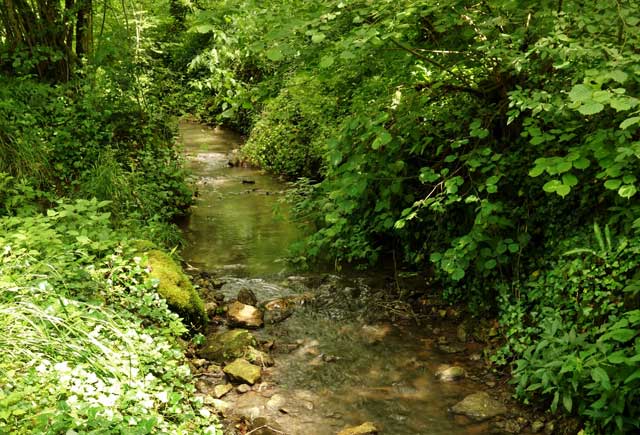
(340, 361)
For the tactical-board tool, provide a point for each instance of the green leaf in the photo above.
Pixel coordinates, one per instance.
(618, 76)
(563, 190)
(318, 38)
(599, 375)
(580, 93)
(382, 139)
(275, 54)
(326, 61)
(581, 163)
(569, 180)
(627, 191)
(612, 184)
(567, 402)
(621, 335)
(621, 104)
(490, 264)
(536, 171)
(551, 186)
(590, 108)
(629, 122)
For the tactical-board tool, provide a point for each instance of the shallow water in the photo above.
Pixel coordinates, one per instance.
(338, 363)
(232, 225)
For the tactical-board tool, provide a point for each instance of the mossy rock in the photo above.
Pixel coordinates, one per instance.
(175, 287)
(227, 345)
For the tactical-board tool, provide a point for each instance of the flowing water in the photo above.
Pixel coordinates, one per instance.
(339, 360)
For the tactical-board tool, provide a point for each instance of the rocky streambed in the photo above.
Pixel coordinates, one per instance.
(329, 355)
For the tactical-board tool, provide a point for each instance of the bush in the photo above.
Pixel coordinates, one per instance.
(88, 344)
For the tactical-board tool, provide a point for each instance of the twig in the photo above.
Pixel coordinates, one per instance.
(266, 426)
(431, 61)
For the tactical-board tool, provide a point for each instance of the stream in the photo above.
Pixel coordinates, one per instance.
(346, 355)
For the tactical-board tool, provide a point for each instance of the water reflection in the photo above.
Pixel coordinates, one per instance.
(232, 222)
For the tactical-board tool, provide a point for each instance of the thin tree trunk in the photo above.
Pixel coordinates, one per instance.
(84, 29)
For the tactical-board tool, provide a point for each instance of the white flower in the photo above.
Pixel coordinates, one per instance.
(163, 396)
(205, 412)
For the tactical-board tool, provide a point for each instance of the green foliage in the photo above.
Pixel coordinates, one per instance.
(88, 343)
(478, 140)
(573, 328)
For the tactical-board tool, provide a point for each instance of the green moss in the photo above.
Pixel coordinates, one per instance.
(175, 287)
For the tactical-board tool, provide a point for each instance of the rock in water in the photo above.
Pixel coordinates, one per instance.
(479, 407)
(247, 316)
(367, 428)
(221, 390)
(227, 345)
(247, 297)
(243, 371)
(450, 373)
(258, 357)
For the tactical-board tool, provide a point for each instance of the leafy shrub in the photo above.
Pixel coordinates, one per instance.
(574, 328)
(83, 324)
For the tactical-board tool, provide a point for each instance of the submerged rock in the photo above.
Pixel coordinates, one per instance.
(258, 357)
(247, 316)
(278, 310)
(247, 297)
(367, 428)
(175, 287)
(227, 345)
(242, 370)
(221, 390)
(479, 406)
(450, 373)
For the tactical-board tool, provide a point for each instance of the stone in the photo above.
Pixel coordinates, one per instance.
(247, 297)
(451, 348)
(246, 316)
(276, 402)
(221, 390)
(258, 357)
(243, 371)
(221, 406)
(549, 428)
(175, 287)
(450, 373)
(227, 345)
(277, 310)
(367, 428)
(461, 333)
(243, 388)
(537, 426)
(375, 333)
(479, 407)
(211, 308)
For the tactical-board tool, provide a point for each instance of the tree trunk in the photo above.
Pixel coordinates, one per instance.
(84, 28)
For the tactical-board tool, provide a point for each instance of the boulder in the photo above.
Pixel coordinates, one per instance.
(228, 345)
(246, 316)
(247, 297)
(175, 287)
(243, 371)
(450, 373)
(367, 428)
(479, 407)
